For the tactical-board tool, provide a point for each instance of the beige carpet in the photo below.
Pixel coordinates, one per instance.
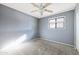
(40, 47)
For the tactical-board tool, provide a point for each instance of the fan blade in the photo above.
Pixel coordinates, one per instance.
(34, 10)
(46, 5)
(48, 10)
(35, 5)
(41, 13)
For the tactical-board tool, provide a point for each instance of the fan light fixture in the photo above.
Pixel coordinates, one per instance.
(42, 8)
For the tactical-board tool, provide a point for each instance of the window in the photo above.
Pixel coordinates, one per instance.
(60, 22)
(56, 22)
(52, 23)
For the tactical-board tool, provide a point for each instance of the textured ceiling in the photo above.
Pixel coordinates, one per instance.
(28, 7)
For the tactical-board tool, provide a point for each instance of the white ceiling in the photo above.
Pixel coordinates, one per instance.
(55, 7)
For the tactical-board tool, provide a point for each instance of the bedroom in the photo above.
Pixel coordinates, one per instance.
(39, 29)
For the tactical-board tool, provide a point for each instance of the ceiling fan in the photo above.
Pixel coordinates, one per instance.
(41, 8)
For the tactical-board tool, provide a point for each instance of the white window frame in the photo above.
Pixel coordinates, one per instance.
(51, 23)
(61, 22)
(56, 22)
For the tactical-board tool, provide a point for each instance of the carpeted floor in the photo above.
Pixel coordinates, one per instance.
(40, 47)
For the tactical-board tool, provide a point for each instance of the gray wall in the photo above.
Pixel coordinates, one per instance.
(65, 35)
(38, 28)
(13, 24)
(76, 32)
(75, 27)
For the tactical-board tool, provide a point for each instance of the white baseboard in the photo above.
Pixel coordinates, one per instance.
(58, 42)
